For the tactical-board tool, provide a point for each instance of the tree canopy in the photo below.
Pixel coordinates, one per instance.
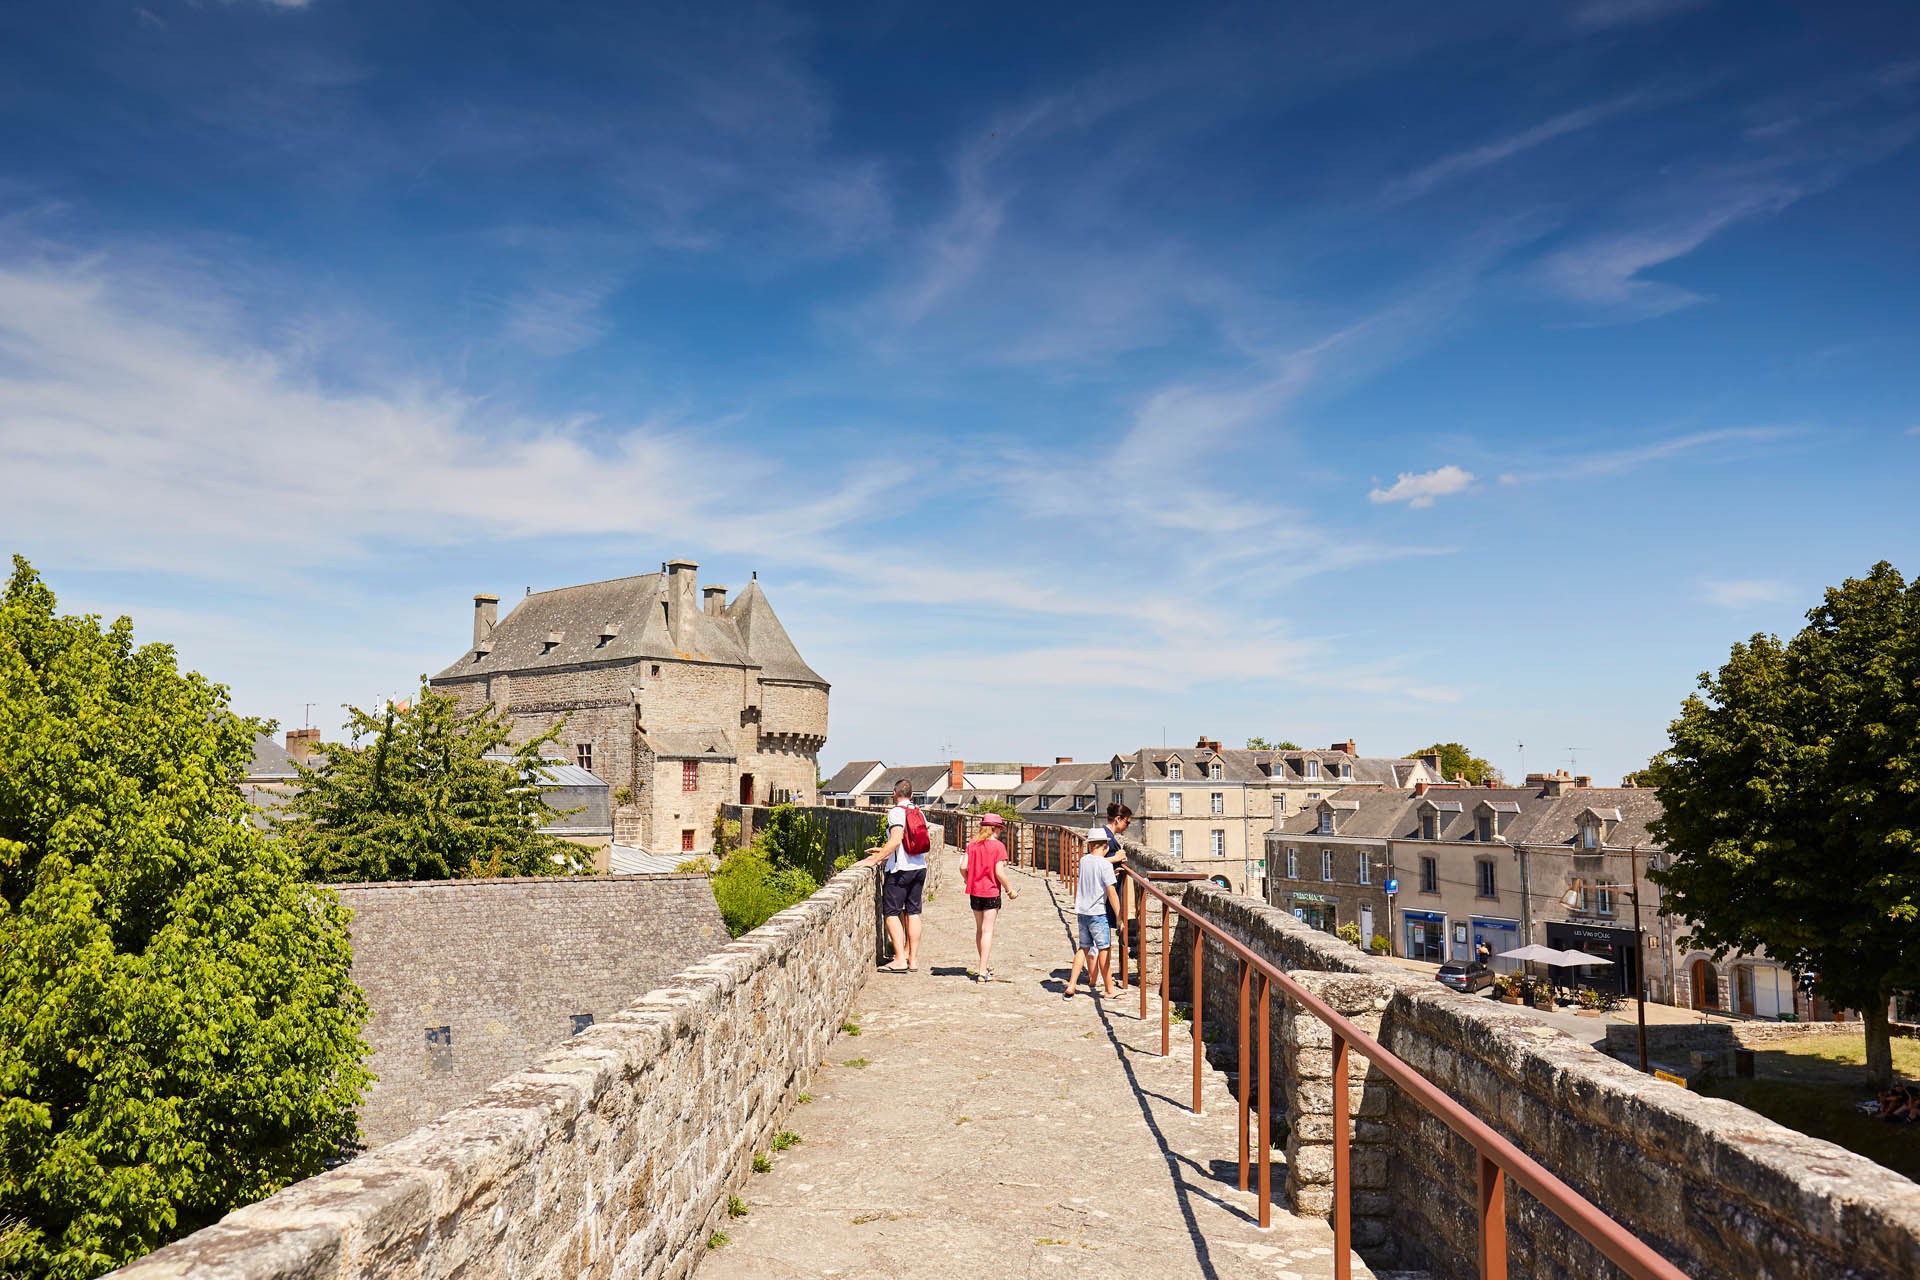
(1261, 744)
(422, 791)
(1456, 761)
(1791, 801)
(785, 864)
(178, 1035)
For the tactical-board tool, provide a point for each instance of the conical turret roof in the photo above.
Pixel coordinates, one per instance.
(766, 641)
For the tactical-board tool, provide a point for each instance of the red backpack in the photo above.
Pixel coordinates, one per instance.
(914, 837)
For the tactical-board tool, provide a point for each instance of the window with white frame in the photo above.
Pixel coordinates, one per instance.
(1346, 770)
(1217, 843)
(1176, 802)
(1366, 869)
(1293, 864)
(1313, 769)
(1326, 822)
(1218, 803)
(1177, 843)
(1173, 770)
(1589, 836)
(1280, 803)
(1214, 770)
(1326, 864)
(1597, 902)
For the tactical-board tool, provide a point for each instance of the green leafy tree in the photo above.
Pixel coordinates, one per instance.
(1001, 807)
(1261, 744)
(178, 1035)
(423, 791)
(1458, 762)
(1646, 777)
(786, 862)
(1791, 802)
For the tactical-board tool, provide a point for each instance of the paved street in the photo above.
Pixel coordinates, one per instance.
(999, 1130)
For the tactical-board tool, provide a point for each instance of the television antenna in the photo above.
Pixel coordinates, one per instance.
(309, 719)
(1573, 758)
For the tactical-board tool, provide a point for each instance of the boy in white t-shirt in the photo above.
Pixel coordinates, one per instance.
(1096, 903)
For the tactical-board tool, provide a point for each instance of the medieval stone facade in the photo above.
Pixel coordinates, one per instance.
(679, 700)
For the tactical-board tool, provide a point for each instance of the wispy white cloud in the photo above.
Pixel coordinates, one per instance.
(1724, 443)
(1422, 488)
(1744, 593)
(1461, 163)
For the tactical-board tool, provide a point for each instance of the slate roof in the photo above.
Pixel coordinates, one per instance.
(690, 744)
(621, 619)
(851, 773)
(271, 762)
(925, 777)
(1530, 815)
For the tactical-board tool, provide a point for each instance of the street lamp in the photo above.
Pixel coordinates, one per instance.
(1571, 898)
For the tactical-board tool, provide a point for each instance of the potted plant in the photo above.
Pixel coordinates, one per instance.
(1507, 989)
(1381, 944)
(1348, 933)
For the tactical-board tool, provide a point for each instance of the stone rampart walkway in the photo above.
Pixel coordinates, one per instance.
(998, 1130)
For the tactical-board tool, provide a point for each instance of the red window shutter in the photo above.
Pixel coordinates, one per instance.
(690, 775)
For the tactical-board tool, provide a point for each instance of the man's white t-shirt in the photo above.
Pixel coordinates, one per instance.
(1096, 873)
(900, 859)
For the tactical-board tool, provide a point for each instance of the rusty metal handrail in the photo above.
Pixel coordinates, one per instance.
(1499, 1158)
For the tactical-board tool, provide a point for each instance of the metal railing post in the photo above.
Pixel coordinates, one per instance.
(1342, 1165)
(1199, 1046)
(1124, 887)
(1166, 1020)
(1266, 1104)
(1246, 981)
(1143, 952)
(1493, 1220)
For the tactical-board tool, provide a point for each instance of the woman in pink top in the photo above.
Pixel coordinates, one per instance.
(986, 877)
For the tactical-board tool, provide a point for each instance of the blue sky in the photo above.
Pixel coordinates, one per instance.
(1071, 376)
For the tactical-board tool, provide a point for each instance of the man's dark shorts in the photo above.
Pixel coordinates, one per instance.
(900, 896)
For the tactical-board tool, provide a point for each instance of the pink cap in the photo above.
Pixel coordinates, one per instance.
(993, 820)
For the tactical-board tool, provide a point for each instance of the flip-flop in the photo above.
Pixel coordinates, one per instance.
(894, 968)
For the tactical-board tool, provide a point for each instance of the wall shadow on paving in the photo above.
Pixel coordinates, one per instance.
(1718, 1189)
(613, 1155)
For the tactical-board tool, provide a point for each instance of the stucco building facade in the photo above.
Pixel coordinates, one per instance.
(679, 700)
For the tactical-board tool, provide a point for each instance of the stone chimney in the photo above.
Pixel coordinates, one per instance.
(1557, 782)
(956, 774)
(1432, 762)
(1583, 780)
(486, 611)
(681, 576)
(715, 598)
(301, 742)
(1346, 746)
(1028, 772)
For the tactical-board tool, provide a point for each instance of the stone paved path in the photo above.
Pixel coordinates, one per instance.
(999, 1130)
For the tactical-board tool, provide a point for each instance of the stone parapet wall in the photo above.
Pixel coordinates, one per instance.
(613, 1155)
(1717, 1188)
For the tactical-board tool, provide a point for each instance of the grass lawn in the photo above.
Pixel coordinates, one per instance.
(1813, 1086)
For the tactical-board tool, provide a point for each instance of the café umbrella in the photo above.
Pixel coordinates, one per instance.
(1580, 958)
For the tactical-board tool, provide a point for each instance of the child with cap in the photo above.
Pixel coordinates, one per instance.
(986, 877)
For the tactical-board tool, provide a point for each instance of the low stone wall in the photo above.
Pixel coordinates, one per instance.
(1678, 1043)
(1717, 1188)
(848, 830)
(614, 1155)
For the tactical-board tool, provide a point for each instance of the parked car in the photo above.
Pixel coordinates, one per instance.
(1465, 977)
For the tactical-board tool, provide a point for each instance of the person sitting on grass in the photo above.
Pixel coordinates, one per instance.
(987, 875)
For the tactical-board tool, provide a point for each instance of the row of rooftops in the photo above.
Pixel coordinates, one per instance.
(1552, 811)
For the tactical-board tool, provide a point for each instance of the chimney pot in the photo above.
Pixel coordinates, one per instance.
(1419, 789)
(715, 598)
(301, 742)
(956, 774)
(486, 609)
(1351, 749)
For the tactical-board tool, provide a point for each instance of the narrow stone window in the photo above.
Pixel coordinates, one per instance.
(583, 755)
(580, 1021)
(439, 1050)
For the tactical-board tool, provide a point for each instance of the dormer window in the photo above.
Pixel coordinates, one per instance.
(1589, 837)
(1173, 770)
(1429, 826)
(1346, 770)
(1213, 770)
(1326, 822)
(554, 638)
(1483, 827)
(609, 631)
(1313, 769)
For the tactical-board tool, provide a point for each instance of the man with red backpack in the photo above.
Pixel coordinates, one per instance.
(905, 876)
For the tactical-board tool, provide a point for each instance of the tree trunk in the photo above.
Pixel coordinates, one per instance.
(1879, 1043)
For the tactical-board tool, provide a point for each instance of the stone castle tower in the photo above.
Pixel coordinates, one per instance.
(678, 700)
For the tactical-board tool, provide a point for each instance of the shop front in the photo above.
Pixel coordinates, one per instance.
(1426, 935)
(1315, 909)
(1596, 940)
(1496, 936)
